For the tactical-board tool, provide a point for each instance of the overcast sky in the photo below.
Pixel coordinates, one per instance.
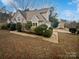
(66, 9)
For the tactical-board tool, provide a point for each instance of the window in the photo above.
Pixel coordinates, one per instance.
(34, 24)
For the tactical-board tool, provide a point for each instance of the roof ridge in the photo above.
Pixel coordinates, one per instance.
(22, 13)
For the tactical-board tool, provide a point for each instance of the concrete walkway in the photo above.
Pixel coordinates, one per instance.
(62, 30)
(53, 38)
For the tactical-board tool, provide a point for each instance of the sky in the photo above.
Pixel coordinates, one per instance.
(66, 9)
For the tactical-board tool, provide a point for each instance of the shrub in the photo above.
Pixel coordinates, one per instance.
(28, 25)
(18, 27)
(4, 27)
(43, 26)
(40, 29)
(43, 30)
(8, 25)
(78, 32)
(73, 30)
(47, 33)
(50, 28)
(12, 26)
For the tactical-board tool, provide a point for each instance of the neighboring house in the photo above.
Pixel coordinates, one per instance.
(37, 17)
(61, 24)
(2, 14)
(2, 11)
(64, 24)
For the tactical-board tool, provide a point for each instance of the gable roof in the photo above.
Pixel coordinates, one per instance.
(21, 12)
(29, 14)
(37, 13)
(45, 10)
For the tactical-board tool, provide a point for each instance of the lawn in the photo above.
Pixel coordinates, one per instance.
(70, 44)
(19, 47)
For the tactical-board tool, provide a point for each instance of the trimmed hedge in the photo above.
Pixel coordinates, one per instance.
(43, 30)
(19, 27)
(8, 25)
(40, 29)
(43, 27)
(47, 33)
(4, 27)
(12, 26)
(28, 25)
(50, 28)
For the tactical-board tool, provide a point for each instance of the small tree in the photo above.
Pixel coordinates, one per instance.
(28, 25)
(18, 27)
(54, 22)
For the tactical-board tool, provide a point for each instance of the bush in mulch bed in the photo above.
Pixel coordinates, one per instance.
(19, 27)
(28, 25)
(43, 30)
(12, 26)
(8, 25)
(3, 27)
(40, 29)
(47, 33)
